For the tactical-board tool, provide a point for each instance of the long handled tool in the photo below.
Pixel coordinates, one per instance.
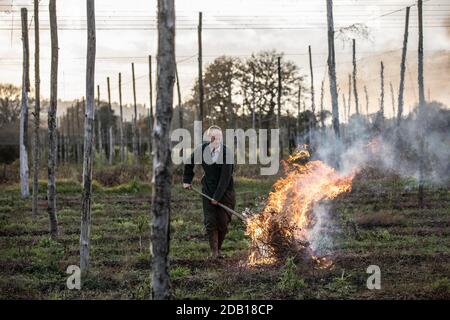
(240, 216)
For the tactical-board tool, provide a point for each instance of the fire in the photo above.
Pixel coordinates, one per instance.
(287, 218)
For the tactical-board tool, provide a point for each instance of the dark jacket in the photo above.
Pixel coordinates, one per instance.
(218, 176)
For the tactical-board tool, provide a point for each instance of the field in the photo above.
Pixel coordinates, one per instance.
(378, 223)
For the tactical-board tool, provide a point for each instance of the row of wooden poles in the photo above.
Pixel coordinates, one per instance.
(160, 138)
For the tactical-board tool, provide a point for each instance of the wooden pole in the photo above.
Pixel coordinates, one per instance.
(322, 94)
(253, 98)
(37, 111)
(313, 103)
(162, 172)
(88, 138)
(99, 127)
(77, 135)
(332, 71)
(135, 142)
(299, 101)
(421, 115)
(402, 69)
(367, 101)
(51, 186)
(66, 139)
(200, 71)
(150, 118)
(349, 103)
(23, 143)
(122, 151)
(355, 88)
(111, 119)
(393, 100)
(279, 92)
(382, 94)
(180, 105)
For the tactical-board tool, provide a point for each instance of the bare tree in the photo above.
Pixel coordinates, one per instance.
(162, 172)
(402, 69)
(332, 68)
(37, 110)
(23, 143)
(51, 186)
(88, 137)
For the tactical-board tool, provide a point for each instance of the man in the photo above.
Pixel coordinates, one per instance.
(217, 182)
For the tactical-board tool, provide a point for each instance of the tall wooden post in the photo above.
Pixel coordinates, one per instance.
(421, 115)
(99, 125)
(355, 88)
(382, 94)
(180, 105)
(66, 139)
(313, 103)
(200, 71)
(393, 100)
(162, 171)
(367, 101)
(135, 142)
(51, 186)
(349, 103)
(299, 101)
(279, 93)
(332, 69)
(23, 143)
(122, 151)
(402, 69)
(150, 117)
(111, 119)
(88, 138)
(37, 111)
(72, 134)
(322, 94)
(77, 135)
(253, 98)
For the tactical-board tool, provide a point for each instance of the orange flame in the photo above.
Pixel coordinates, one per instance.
(289, 207)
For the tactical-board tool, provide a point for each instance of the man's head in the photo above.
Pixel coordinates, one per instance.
(214, 136)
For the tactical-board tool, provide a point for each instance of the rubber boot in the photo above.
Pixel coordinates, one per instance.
(222, 235)
(214, 243)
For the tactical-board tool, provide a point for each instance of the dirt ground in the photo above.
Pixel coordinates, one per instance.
(377, 223)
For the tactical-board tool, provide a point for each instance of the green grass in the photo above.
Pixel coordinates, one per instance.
(370, 226)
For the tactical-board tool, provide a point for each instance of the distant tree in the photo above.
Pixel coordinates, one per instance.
(264, 65)
(9, 104)
(220, 86)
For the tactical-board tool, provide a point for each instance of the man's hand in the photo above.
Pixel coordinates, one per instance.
(214, 202)
(187, 186)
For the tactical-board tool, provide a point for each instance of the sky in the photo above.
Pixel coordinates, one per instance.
(126, 33)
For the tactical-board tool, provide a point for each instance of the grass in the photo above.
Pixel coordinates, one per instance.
(377, 223)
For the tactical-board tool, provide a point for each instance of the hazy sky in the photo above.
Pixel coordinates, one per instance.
(126, 33)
